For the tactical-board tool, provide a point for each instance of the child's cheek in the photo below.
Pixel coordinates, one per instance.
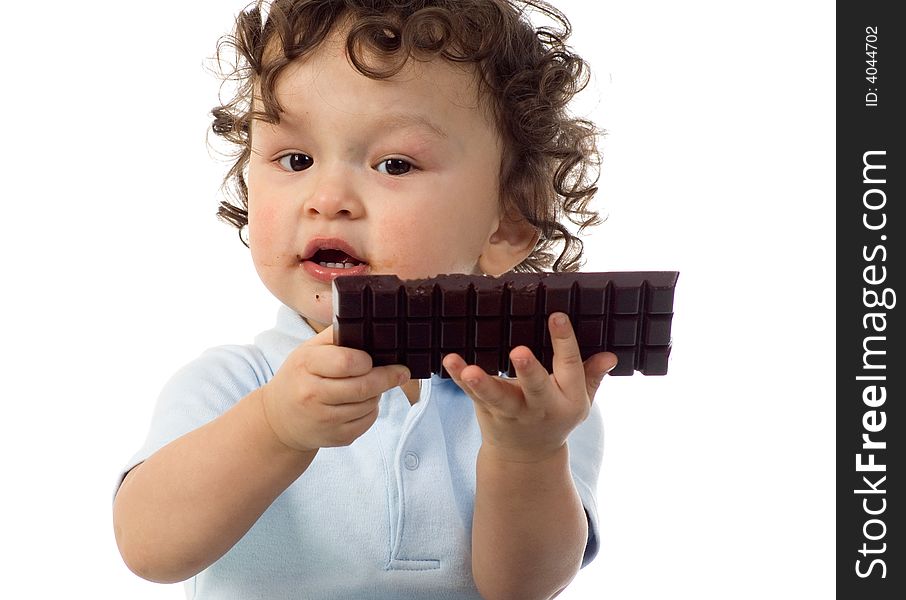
(262, 225)
(408, 224)
(410, 245)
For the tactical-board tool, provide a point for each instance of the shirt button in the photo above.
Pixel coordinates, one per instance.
(411, 461)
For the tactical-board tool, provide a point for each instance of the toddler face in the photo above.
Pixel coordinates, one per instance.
(395, 176)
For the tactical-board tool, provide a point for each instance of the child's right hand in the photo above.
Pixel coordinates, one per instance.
(326, 395)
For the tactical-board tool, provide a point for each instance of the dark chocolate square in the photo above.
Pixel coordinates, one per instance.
(419, 334)
(384, 300)
(419, 300)
(626, 300)
(350, 333)
(453, 333)
(653, 360)
(383, 358)
(592, 298)
(454, 298)
(523, 301)
(626, 357)
(623, 330)
(656, 330)
(521, 333)
(384, 335)
(419, 364)
(556, 294)
(487, 332)
(488, 297)
(589, 332)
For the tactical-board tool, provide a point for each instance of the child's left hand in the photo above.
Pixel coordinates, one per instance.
(529, 418)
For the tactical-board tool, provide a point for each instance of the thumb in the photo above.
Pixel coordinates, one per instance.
(596, 368)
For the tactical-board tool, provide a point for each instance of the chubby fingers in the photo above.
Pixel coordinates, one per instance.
(575, 377)
(342, 375)
(363, 387)
(481, 387)
(536, 383)
(596, 368)
(569, 371)
(337, 361)
(320, 356)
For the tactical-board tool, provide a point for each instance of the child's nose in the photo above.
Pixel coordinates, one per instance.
(332, 203)
(334, 196)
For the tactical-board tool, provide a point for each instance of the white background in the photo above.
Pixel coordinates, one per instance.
(717, 479)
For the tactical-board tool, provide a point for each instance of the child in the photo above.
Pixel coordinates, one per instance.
(291, 468)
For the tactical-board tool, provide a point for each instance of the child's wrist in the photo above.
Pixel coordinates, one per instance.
(523, 456)
(259, 398)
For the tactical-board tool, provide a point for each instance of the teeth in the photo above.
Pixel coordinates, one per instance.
(332, 265)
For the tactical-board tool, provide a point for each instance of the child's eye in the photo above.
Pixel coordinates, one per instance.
(395, 166)
(295, 162)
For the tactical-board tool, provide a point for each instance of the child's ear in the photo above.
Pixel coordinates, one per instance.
(510, 244)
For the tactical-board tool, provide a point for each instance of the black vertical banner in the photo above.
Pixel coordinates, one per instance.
(871, 300)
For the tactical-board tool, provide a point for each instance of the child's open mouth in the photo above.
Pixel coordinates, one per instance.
(335, 259)
(328, 263)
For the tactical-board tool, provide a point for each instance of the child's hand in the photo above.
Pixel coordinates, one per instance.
(528, 419)
(325, 395)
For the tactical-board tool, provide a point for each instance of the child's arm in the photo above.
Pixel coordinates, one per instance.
(529, 529)
(189, 503)
(186, 505)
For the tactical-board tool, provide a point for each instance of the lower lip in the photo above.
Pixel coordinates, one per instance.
(328, 274)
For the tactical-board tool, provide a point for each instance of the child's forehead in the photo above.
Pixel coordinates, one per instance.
(326, 74)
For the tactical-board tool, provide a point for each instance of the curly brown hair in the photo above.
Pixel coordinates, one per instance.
(528, 74)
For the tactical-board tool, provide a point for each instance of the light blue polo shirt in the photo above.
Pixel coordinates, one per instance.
(387, 517)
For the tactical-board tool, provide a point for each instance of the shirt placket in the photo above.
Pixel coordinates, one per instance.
(415, 467)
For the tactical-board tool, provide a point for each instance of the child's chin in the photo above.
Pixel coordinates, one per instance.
(319, 314)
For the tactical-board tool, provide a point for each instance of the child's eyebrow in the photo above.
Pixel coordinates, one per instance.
(400, 120)
(388, 121)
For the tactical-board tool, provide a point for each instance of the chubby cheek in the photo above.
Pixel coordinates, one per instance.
(264, 232)
(269, 251)
(417, 247)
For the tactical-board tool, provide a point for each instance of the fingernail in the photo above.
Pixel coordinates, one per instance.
(404, 377)
(520, 362)
(560, 319)
(472, 382)
(611, 368)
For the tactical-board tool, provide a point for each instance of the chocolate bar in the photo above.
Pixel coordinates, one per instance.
(417, 322)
